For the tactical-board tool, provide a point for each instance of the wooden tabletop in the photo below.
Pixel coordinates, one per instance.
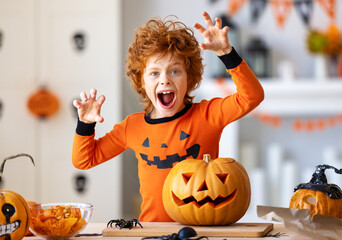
(94, 230)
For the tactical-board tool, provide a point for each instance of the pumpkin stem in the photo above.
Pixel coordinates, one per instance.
(207, 158)
(12, 157)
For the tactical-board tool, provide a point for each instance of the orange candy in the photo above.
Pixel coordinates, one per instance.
(57, 221)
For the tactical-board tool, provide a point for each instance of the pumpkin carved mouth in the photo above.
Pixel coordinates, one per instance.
(9, 228)
(215, 203)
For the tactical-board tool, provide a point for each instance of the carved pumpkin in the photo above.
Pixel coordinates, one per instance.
(14, 215)
(319, 196)
(43, 103)
(205, 192)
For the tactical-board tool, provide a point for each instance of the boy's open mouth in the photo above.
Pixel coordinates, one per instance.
(166, 98)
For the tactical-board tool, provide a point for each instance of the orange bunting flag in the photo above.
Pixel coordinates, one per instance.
(310, 125)
(321, 124)
(332, 122)
(340, 117)
(281, 10)
(276, 121)
(329, 7)
(297, 125)
(234, 6)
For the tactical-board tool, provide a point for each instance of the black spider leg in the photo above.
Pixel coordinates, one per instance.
(276, 235)
(173, 236)
(138, 223)
(201, 237)
(110, 223)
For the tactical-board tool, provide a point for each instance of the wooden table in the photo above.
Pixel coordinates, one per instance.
(98, 227)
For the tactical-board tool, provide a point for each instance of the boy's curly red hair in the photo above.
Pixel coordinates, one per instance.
(163, 36)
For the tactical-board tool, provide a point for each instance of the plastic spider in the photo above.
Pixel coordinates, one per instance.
(122, 223)
(185, 233)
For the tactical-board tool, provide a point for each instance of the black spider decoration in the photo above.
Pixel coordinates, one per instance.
(185, 233)
(122, 223)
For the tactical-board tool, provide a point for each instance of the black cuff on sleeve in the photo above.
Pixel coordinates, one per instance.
(85, 129)
(231, 60)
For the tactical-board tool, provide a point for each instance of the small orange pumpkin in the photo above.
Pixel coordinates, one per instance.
(43, 103)
(319, 196)
(14, 215)
(205, 192)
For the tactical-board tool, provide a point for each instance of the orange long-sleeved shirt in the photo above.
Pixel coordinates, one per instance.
(160, 143)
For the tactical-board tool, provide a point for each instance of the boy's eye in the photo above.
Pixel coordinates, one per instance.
(154, 74)
(174, 71)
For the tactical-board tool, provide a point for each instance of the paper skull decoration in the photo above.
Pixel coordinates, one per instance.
(207, 192)
(319, 196)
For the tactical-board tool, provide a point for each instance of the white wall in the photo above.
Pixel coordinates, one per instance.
(38, 49)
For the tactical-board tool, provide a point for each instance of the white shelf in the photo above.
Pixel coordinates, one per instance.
(298, 97)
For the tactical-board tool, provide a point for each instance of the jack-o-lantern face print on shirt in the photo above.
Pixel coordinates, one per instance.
(167, 162)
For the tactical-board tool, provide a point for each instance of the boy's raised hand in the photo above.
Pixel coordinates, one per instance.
(89, 109)
(216, 37)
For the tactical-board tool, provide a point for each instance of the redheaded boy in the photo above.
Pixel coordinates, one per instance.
(164, 64)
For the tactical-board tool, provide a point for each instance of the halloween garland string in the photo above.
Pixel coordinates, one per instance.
(298, 125)
(282, 8)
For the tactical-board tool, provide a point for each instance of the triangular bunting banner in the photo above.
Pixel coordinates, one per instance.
(329, 7)
(257, 7)
(304, 8)
(281, 10)
(234, 6)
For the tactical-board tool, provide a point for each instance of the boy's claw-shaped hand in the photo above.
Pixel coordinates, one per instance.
(89, 109)
(216, 37)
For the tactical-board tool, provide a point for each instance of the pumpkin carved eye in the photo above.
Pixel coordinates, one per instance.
(223, 177)
(187, 176)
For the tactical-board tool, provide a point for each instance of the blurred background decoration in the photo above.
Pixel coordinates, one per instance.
(326, 47)
(281, 9)
(327, 42)
(257, 55)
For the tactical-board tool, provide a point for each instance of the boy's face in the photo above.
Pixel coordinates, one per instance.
(165, 82)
